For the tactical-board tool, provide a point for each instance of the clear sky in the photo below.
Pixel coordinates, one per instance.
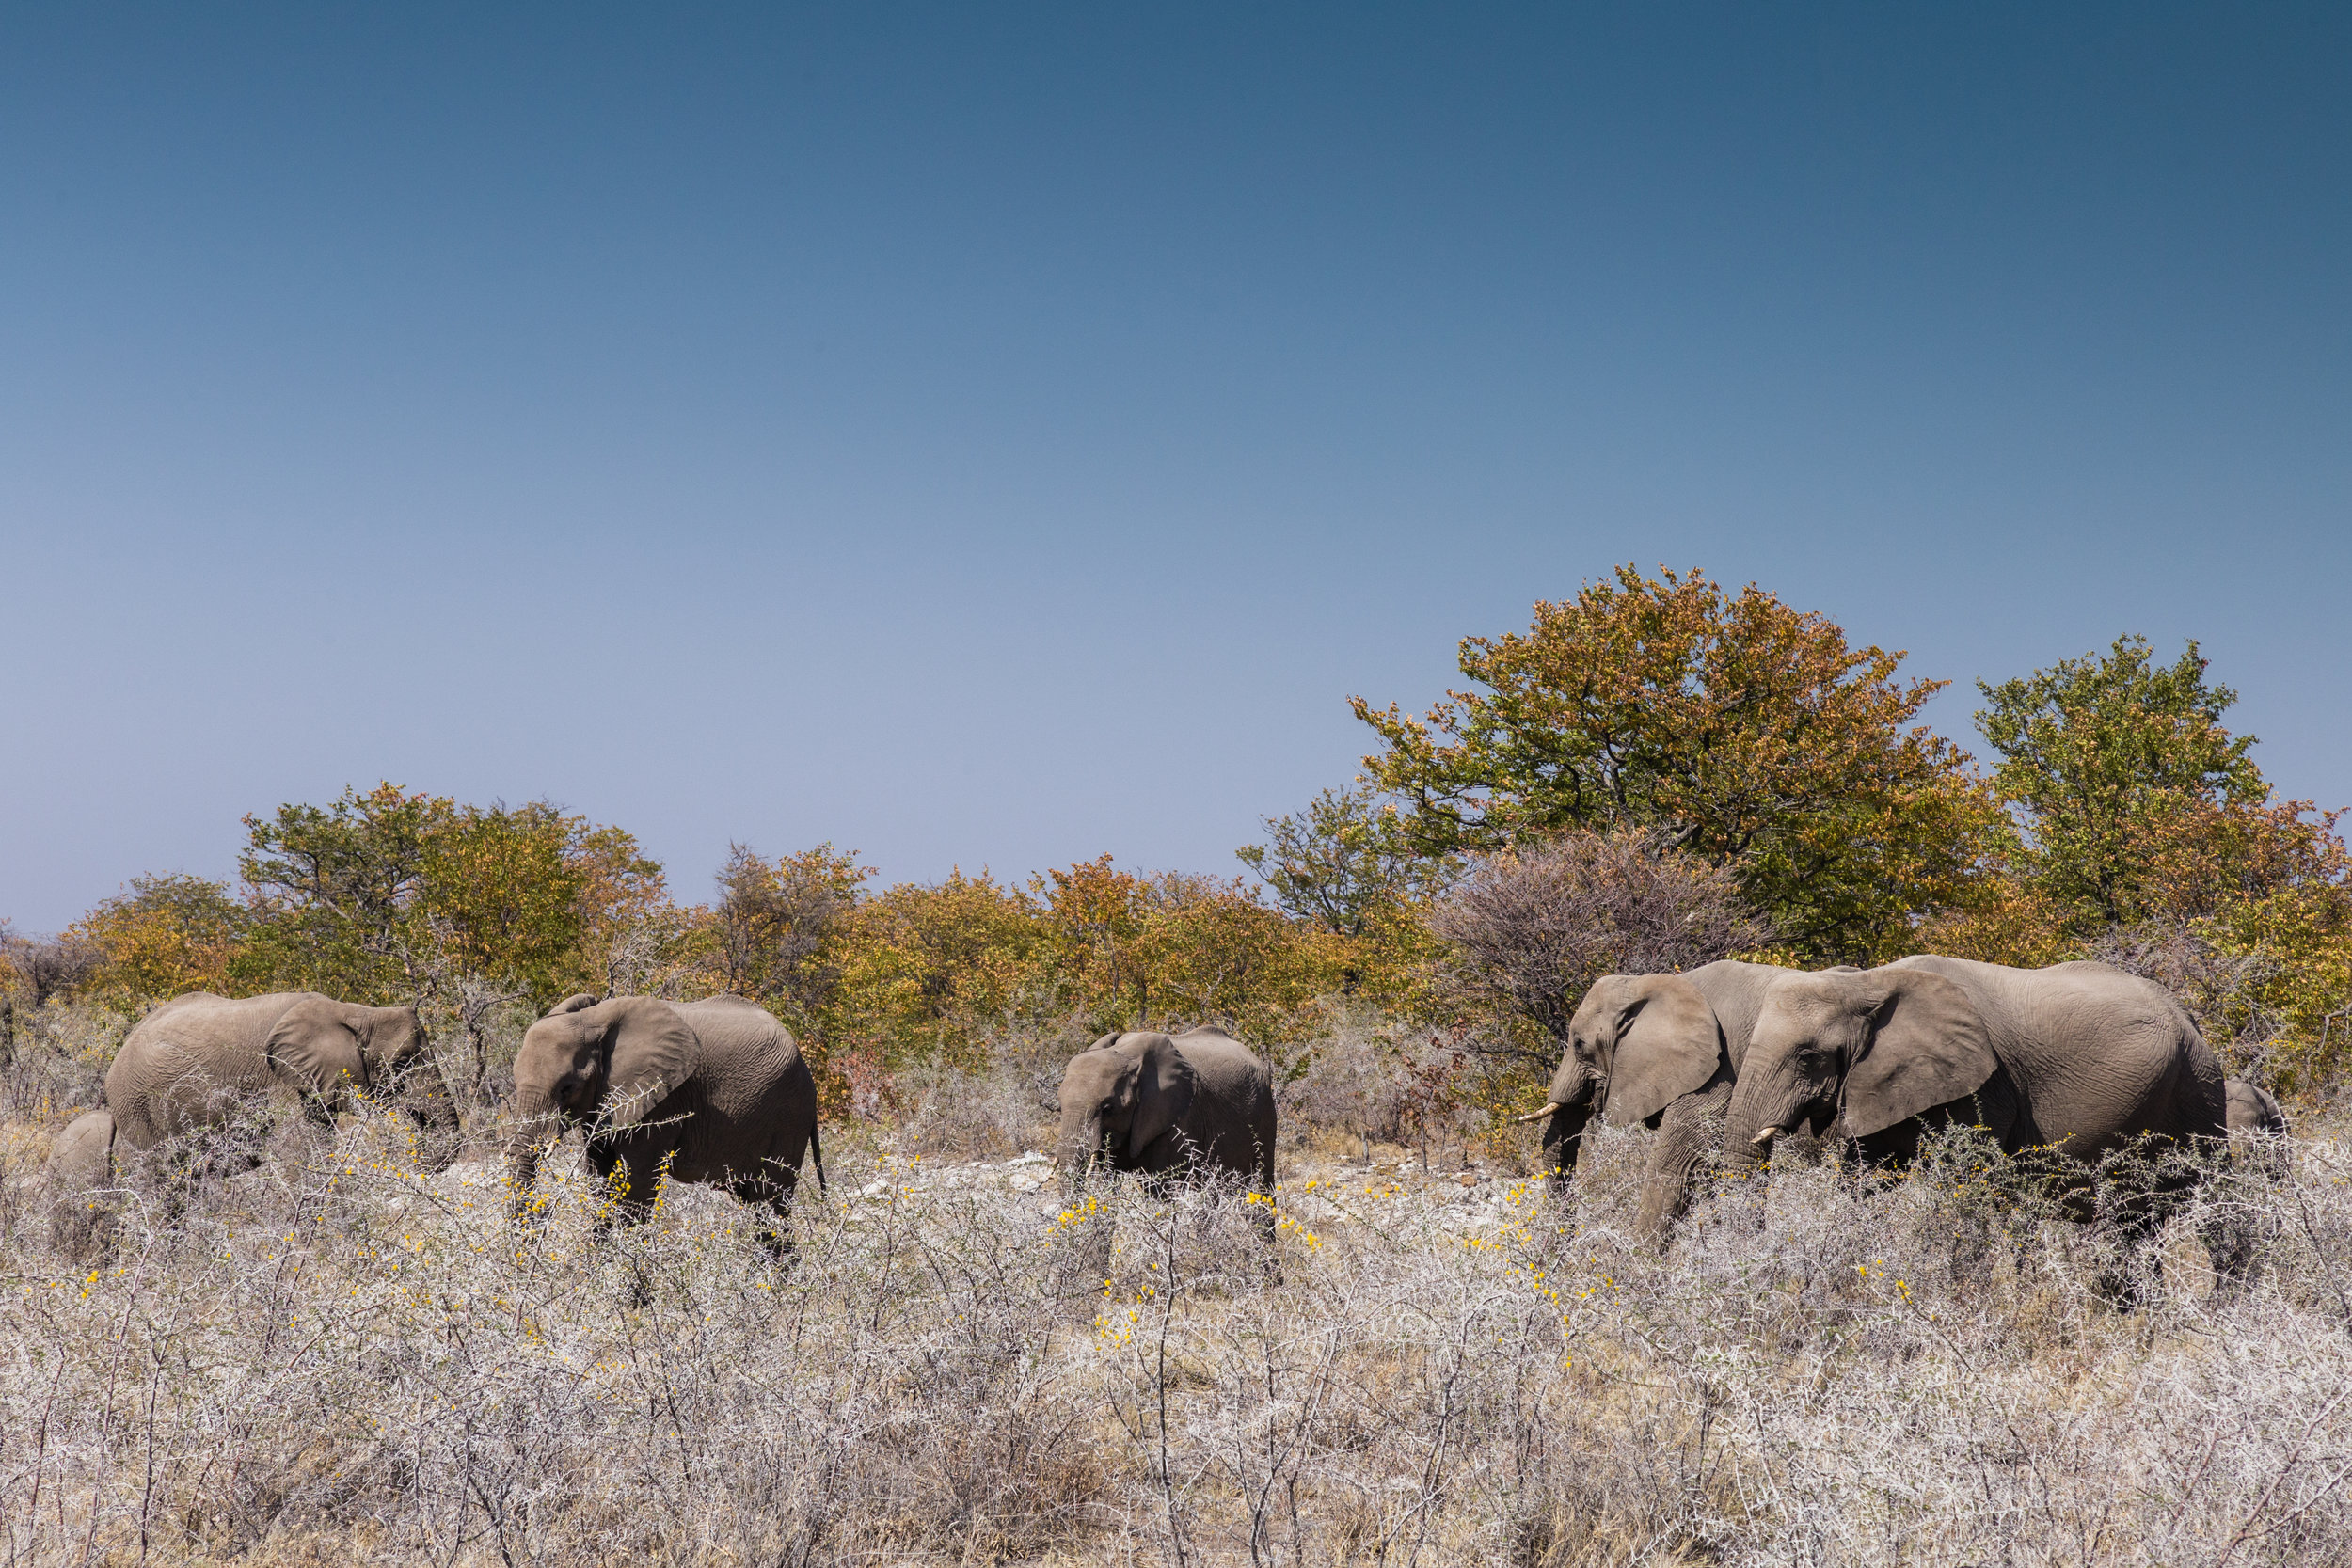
(999, 434)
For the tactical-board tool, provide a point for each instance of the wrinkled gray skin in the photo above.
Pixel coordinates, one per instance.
(81, 1164)
(196, 1061)
(2081, 1059)
(1662, 1050)
(2258, 1127)
(717, 1087)
(1167, 1106)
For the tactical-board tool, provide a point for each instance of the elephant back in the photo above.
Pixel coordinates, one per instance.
(2097, 1056)
(1226, 1066)
(187, 1064)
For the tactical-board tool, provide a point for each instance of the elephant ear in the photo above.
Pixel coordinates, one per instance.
(1164, 1087)
(1928, 1047)
(1668, 1045)
(314, 1047)
(572, 1003)
(653, 1052)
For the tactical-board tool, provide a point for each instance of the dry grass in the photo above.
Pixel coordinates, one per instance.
(340, 1360)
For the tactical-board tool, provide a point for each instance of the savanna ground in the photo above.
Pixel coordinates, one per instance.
(336, 1357)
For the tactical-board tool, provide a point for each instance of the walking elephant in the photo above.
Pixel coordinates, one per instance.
(715, 1088)
(2258, 1127)
(2080, 1060)
(199, 1060)
(1661, 1051)
(1166, 1106)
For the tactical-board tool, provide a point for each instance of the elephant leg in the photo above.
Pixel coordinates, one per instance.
(2236, 1225)
(629, 1183)
(769, 1196)
(1689, 1132)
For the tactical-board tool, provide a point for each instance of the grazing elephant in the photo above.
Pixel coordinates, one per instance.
(81, 1164)
(2079, 1059)
(1169, 1105)
(1660, 1049)
(194, 1063)
(2258, 1127)
(716, 1088)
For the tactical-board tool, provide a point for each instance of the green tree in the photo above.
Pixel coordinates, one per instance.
(2141, 830)
(396, 896)
(2129, 797)
(1732, 727)
(1343, 862)
(336, 889)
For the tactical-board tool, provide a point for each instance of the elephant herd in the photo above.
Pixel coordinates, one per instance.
(712, 1091)
(2079, 1061)
(2100, 1075)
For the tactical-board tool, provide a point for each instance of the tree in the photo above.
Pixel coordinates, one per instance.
(774, 921)
(394, 897)
(1140, 951)
(34, 969)
(2132, 801)
(162, 936)
(500, 893)
(335, 891)
(1342, 864)
(1732, 727)
(923, 970)
(2142, 832)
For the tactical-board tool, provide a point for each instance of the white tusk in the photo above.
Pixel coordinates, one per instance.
(1536, 1115)
(1766, 1136)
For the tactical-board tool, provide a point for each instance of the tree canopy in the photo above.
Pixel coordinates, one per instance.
(2129, 797)
(1731, 726)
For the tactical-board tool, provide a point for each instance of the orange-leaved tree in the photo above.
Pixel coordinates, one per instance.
(1728, 725)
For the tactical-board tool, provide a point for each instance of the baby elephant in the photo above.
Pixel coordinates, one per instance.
(81, 1166)
(194, 1063)
(2258, 1127)
(1168, 1105)
(716, 1087)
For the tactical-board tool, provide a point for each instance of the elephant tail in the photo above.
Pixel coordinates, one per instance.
(817, 1155)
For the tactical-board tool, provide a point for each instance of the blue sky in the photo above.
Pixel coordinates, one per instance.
(1004, 435)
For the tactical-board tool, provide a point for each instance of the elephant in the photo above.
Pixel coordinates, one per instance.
(1169, 1105)
(1660, 1050)
(2258, 1127)
(712, 1091)
(193, 1063)
(2080, 1060)
(80, 1165)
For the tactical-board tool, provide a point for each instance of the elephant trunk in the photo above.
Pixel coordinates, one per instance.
(1078, 1152)
(537, 1125)
(1676, 1155)
(1574, 1100)
(1762, 1111)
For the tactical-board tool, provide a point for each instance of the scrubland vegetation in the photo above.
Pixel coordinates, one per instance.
(333, 1355)
(335, 1358)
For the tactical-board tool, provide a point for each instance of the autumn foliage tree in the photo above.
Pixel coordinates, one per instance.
(1732, 727)
(161, 936)
(2141, 829)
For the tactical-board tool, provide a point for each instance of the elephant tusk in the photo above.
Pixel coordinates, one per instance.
(1536, 1115)
(1764, 1137)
